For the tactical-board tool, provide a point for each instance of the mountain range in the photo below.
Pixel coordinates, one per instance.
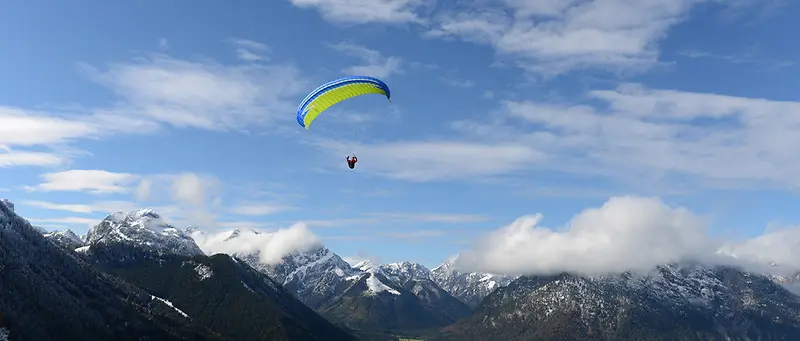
(171, 284)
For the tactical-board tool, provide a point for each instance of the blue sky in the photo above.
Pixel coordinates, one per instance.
(190, 109)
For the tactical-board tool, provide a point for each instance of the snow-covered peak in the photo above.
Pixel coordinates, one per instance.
(405, 271)
(8, 204)
(144, 229)
(65, 238)
(365, 265)
(469, 287)
(234, 234)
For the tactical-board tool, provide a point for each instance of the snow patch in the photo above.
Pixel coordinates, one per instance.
(302, 269)
(203, 271)
(5, 334)
(353, 278)
(169, 304)
(364, 265)
(247, 287)
(375, 286)
(82, 249)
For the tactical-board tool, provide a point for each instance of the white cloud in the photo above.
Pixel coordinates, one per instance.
(93, 181)
(715, 139)
(153, 89)
(417, 235)
(360, 257)
(197, 196)
(260, 208)
(554, 37)
(66, 221)
(781, 247)
(101, 207)
(143, 189)
(271, 246)
(625, 234)
(431, 217)
(11, 158)
(25, 128)
(200, 94)
(243, 225)
(189, 188)
(421, 161)
(375, 63)
(365, 11)
(163, 43)
(388, 218)
(249, 50)
(738, 59)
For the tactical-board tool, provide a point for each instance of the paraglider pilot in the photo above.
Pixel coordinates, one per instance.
(351, 162)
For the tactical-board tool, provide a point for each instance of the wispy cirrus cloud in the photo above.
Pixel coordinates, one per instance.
(80, 221)
(260, 208)
(633, 134)
(249, 50)
(95, 207)
(395, 217)
(153, 90)
(375, 63)
(544, 37)
(769, 63)
(88, 180)
(366, 11)
(199, 94)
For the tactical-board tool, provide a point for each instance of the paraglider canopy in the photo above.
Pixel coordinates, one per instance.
(328, 94)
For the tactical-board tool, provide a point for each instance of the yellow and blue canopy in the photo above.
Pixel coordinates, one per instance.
(328, 94)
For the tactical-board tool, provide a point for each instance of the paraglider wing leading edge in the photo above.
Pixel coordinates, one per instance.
(336, 91)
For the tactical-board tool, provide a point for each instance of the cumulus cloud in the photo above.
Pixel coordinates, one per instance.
(197, 196)
(89, 180)
(143, 189)
(375, 63)
(780, 248)
(625, 234)
(271, 247)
